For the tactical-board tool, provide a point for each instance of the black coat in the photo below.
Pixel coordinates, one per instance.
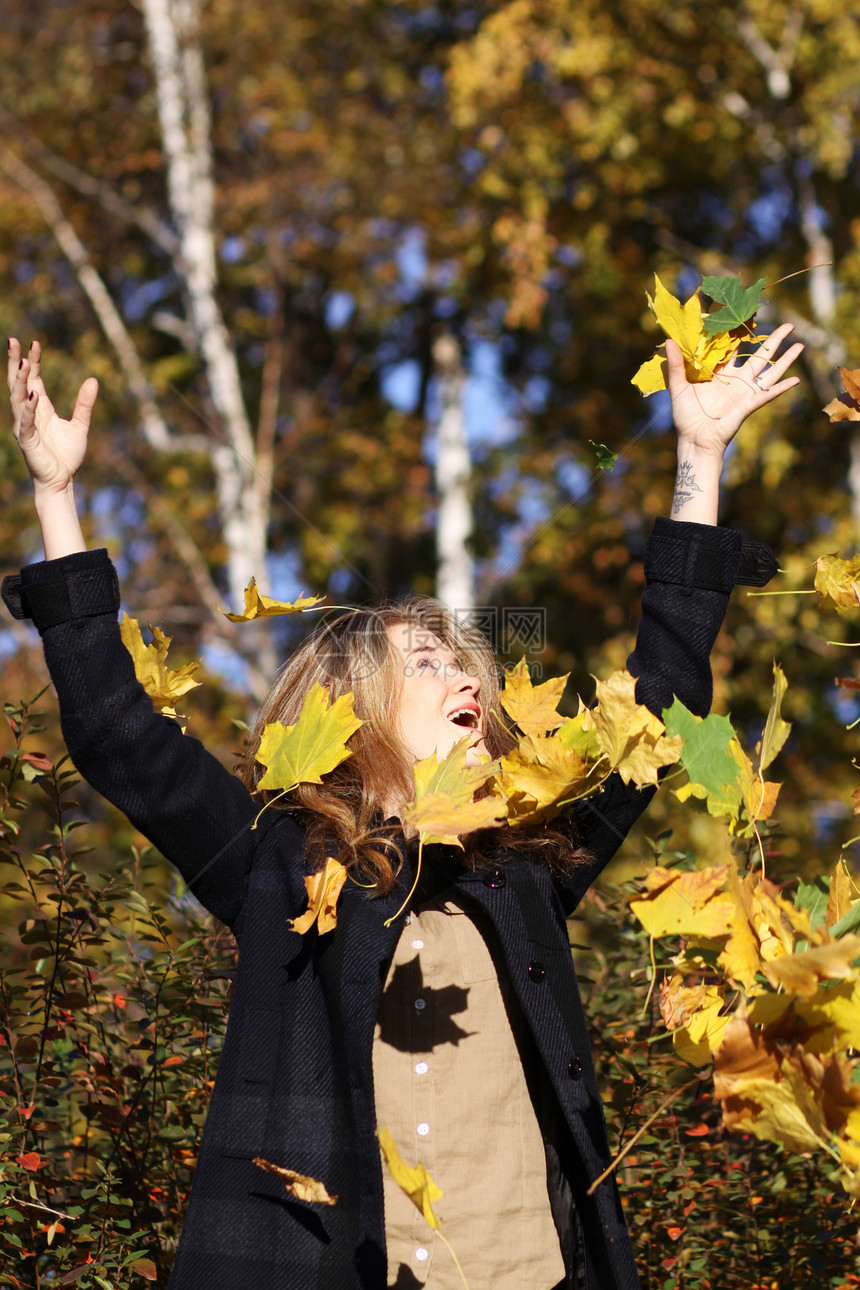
(295, 1081)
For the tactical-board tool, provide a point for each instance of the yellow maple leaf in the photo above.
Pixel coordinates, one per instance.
(260, 606)
(763, 929)
(838, 579)
(689, 903)
(773, 1091)
(532, 707)
(304, 752)
(703, 354)
(802, 972)
(842, 895)
(302, 1186)
(698, 1040)
(416, 1183)
(323, 891)
(444, 808)
(539, 776)
(164, 685)
(776, 730)
(632, 737)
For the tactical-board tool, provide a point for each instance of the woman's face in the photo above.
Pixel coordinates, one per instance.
(439, 703)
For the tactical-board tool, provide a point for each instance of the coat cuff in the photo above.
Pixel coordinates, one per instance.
(58, 591)
(705, 557)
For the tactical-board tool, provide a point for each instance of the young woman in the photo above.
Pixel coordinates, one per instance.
(456, 1024)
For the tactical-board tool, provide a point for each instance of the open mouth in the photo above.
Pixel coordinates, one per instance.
(465, 718)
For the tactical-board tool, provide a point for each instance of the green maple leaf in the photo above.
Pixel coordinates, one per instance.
(739, 305)
(304, 752)
(704, 755)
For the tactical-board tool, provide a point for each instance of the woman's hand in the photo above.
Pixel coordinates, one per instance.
(53, 448)
(709, 414)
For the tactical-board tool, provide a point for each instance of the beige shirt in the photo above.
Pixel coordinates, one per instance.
(451, 1089)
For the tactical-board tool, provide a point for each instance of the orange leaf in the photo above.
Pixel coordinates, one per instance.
(30, 1160)
(697, 1131)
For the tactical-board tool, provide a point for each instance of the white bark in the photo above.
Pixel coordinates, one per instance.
(455, 577)
(183, 111)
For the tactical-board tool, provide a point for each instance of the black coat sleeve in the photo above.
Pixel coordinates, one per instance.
(690, 570)
(199, 815)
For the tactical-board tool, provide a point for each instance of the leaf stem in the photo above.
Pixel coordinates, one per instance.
(450, 1250)
(390, 920)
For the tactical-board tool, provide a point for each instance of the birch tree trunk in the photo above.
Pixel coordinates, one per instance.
(455, 577)
(183, 110)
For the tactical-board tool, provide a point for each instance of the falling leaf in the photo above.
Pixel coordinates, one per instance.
(532, 707)
(323, 891)
(846, 407)
(691, 903)
(164, 685)
(444, 808)
(538, 776)
(774, 1094)
(739, 304)
(841, 896)
(416, 1183)
(304, 752)
(703, 354)
(606, 459)
(704, 756)
(701, 1037)
(260, 606)
(801, 973)
(632, 737)
(776, 731)
(838, 579)
(299, 1185)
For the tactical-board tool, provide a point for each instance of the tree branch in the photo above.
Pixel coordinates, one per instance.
(154, 427)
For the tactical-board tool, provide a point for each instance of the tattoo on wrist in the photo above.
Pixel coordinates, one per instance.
(685, 486)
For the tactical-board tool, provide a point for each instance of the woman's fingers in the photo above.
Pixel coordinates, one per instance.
(761, 359)
(26, 431)
(86, 401)
(13, 358)
(770, 377)
(18, 387)
(35, 359)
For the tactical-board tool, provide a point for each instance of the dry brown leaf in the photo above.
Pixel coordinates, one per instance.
(299, 1185)
(323, 891)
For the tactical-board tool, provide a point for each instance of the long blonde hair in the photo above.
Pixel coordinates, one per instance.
(353, 653)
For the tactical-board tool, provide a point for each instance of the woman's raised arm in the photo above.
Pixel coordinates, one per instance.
(708, 415)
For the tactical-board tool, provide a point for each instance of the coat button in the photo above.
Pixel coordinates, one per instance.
(494, 878)
(574, 1068)
(537, 971)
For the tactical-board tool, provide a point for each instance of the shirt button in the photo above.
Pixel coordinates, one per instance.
(494, 878)
(420, 1004)
(421, 1254)
(537, 971)
(574, 1068)
(423, 1129)
(421, 1068)
(418, 945)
